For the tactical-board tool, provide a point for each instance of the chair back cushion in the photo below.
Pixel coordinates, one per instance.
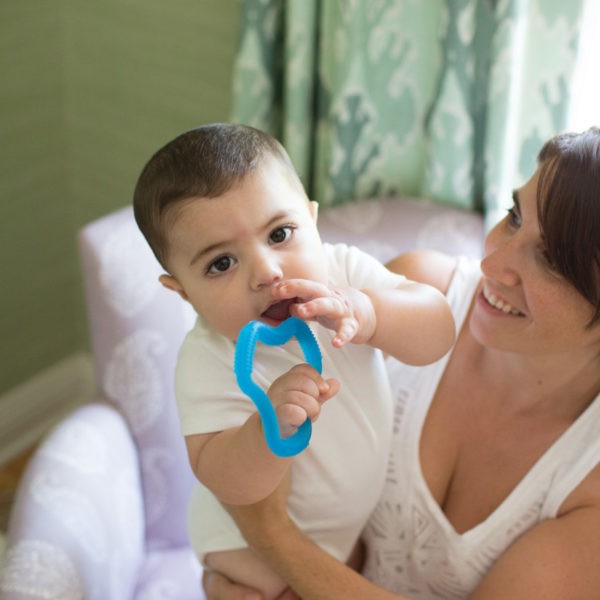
(388, 227)
(136, 328)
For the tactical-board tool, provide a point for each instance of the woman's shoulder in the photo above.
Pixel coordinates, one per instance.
(585, 495)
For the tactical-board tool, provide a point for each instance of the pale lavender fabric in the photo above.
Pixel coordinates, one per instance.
(386, 228)
(136, 329)
(101, 511)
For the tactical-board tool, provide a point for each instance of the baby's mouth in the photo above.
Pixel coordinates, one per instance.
(279, 311)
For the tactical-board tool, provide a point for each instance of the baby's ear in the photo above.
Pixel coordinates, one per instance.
(313, 207)
(171, 283)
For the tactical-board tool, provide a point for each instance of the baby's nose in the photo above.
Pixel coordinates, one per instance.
(266, 272)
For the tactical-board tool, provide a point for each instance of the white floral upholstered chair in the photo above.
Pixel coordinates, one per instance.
(100, 513)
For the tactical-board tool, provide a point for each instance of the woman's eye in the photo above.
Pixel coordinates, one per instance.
(220, 265)
(281, 234)
(513, 217)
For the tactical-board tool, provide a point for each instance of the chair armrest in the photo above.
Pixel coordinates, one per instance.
(77, 526)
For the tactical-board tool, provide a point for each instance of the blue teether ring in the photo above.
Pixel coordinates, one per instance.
(244, 358)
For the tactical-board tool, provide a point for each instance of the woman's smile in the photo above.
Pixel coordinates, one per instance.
(499, 303)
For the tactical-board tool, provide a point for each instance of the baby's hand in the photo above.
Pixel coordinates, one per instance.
(298, 395)
(347, 311)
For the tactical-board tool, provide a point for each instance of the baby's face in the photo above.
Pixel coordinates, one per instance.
(226, 253)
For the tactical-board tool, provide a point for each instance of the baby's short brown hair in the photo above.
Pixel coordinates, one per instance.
(202, 163)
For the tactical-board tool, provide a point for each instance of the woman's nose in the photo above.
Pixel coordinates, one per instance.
(502, 259)
(266, 270)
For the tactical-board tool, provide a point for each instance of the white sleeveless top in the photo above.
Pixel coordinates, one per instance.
(412, 547)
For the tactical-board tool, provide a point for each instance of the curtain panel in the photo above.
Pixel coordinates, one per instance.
(448, 100)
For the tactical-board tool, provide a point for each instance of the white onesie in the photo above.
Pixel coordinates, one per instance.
(337, 481)
(413, 549)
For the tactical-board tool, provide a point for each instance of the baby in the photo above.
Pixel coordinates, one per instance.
(227, 217)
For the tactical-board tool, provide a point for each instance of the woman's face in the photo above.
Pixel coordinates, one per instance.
(523, 305)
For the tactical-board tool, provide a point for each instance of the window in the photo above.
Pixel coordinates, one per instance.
(585, 104)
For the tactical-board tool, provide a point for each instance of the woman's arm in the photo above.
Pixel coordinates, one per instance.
(554, 560)
(311, 572)
(219, 587)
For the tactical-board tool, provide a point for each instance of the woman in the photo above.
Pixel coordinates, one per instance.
(494, 485)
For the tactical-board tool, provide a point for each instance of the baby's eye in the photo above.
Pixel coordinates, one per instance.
(281, 234)
(220, 265)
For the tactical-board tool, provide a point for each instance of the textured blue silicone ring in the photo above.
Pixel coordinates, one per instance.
(254, 332)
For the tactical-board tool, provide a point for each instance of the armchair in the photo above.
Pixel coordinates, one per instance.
(101, 510)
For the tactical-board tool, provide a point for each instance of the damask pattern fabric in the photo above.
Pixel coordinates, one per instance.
(102, 525)
(449, 100)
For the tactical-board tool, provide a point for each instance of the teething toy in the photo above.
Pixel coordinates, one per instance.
(244, 358)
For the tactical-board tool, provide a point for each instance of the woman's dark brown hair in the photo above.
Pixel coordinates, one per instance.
(569, 210)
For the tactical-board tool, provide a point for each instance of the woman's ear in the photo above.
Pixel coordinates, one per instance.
(313, 207)
(171, 283)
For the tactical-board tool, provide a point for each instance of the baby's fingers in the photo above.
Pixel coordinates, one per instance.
(345, 332)
(301, 406)
(333, 387)
(303, 289)
(330, 307)
(332, 313)
(302, 377)
(290, 417)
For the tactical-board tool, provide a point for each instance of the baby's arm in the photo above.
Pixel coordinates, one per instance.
(236, 464)
(412, 322)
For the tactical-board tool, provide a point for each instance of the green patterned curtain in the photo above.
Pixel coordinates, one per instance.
(445, 99)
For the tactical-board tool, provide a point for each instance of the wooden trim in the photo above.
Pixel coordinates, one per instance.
(30, 410)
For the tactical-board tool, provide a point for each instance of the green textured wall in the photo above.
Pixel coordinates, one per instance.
(89, 90)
